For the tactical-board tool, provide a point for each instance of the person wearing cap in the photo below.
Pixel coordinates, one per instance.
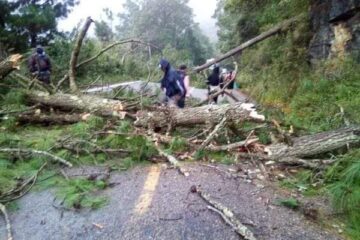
(171, 84)
(39, 65)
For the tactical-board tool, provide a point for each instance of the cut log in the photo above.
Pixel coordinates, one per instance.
(198, 115)
(84, 103)
(52, 118)
(9, 64)
(277, 29)
(232, 146)
(312, 145)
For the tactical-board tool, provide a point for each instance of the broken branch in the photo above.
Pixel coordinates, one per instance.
(227, 215)
(36, 152)
(7, 221)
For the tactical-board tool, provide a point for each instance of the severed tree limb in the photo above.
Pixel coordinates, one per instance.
(227, 215)
(89, 60)
(53, 118)
(231, 146)
(306, 163)
(7, 221)
(171, 159)
(75, 54)
(34, 82)
(31, 181)
(9, 64)
(217, 129)
(36, 152)
(199, 115)
(275, 30)
(214, 95)
(85, 103)
(131, 40)
(310, 145)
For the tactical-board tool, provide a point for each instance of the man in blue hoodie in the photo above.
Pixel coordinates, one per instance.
(171, 84)
(40, 66)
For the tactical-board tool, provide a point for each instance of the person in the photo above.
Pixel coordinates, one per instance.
(171, 84)
(40, 66)
(214, 82)
(229, 76)
(185, 82)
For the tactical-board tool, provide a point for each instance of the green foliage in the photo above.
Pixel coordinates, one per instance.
(178, 144)
(12, 170)
(80, 192)
(83, 129)
(319, 98)
(167, 24)
(345, 188)
(14, 98)
(124, 126)
(30, 21)
(291, 203)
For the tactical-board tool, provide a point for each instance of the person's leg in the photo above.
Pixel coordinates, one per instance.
(181, 102)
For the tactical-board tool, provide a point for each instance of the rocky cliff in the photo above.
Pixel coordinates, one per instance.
(336, 28)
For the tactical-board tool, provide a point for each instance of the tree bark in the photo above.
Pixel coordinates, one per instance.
(198, 115)
(277, 29)
(75, 54)
(312, 145)
(83, 103)
(52, 118)
(9, 64)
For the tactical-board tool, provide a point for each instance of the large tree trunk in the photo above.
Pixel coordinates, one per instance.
(9, 65)
(198, 115)
(312, 145)
(52, 118)
(275, 30)
(75, 54)
(83, 103)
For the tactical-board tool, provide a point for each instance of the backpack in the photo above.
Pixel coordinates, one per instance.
(42, 63)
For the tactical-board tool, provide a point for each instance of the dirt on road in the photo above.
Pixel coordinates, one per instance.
(154, 202)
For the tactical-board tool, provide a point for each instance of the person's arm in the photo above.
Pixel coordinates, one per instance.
(48, 63)
(233, 75)
(32, 64)
(187, 85)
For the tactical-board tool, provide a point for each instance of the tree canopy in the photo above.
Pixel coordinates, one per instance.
(25, 23)
(165, 24)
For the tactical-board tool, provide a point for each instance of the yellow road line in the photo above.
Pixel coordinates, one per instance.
(148, 191)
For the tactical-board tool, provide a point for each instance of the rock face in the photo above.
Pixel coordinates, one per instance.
(336, 28)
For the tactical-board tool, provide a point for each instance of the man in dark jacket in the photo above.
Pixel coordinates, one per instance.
(40, 66)
(214, 81)
(171, 84)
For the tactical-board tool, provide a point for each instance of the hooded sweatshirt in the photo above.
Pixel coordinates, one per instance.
(170, 80)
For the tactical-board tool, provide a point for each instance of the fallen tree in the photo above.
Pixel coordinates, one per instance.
(52, 118)
(9, 64)
(275, 30)
(198, 115)
(311, 145)
(83, 103)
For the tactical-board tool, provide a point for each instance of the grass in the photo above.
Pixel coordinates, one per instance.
(291, 203)
(344, 189)
(78, 193)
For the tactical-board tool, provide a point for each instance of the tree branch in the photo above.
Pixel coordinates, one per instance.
(75, 54)
(277, 29)
(36, 152)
